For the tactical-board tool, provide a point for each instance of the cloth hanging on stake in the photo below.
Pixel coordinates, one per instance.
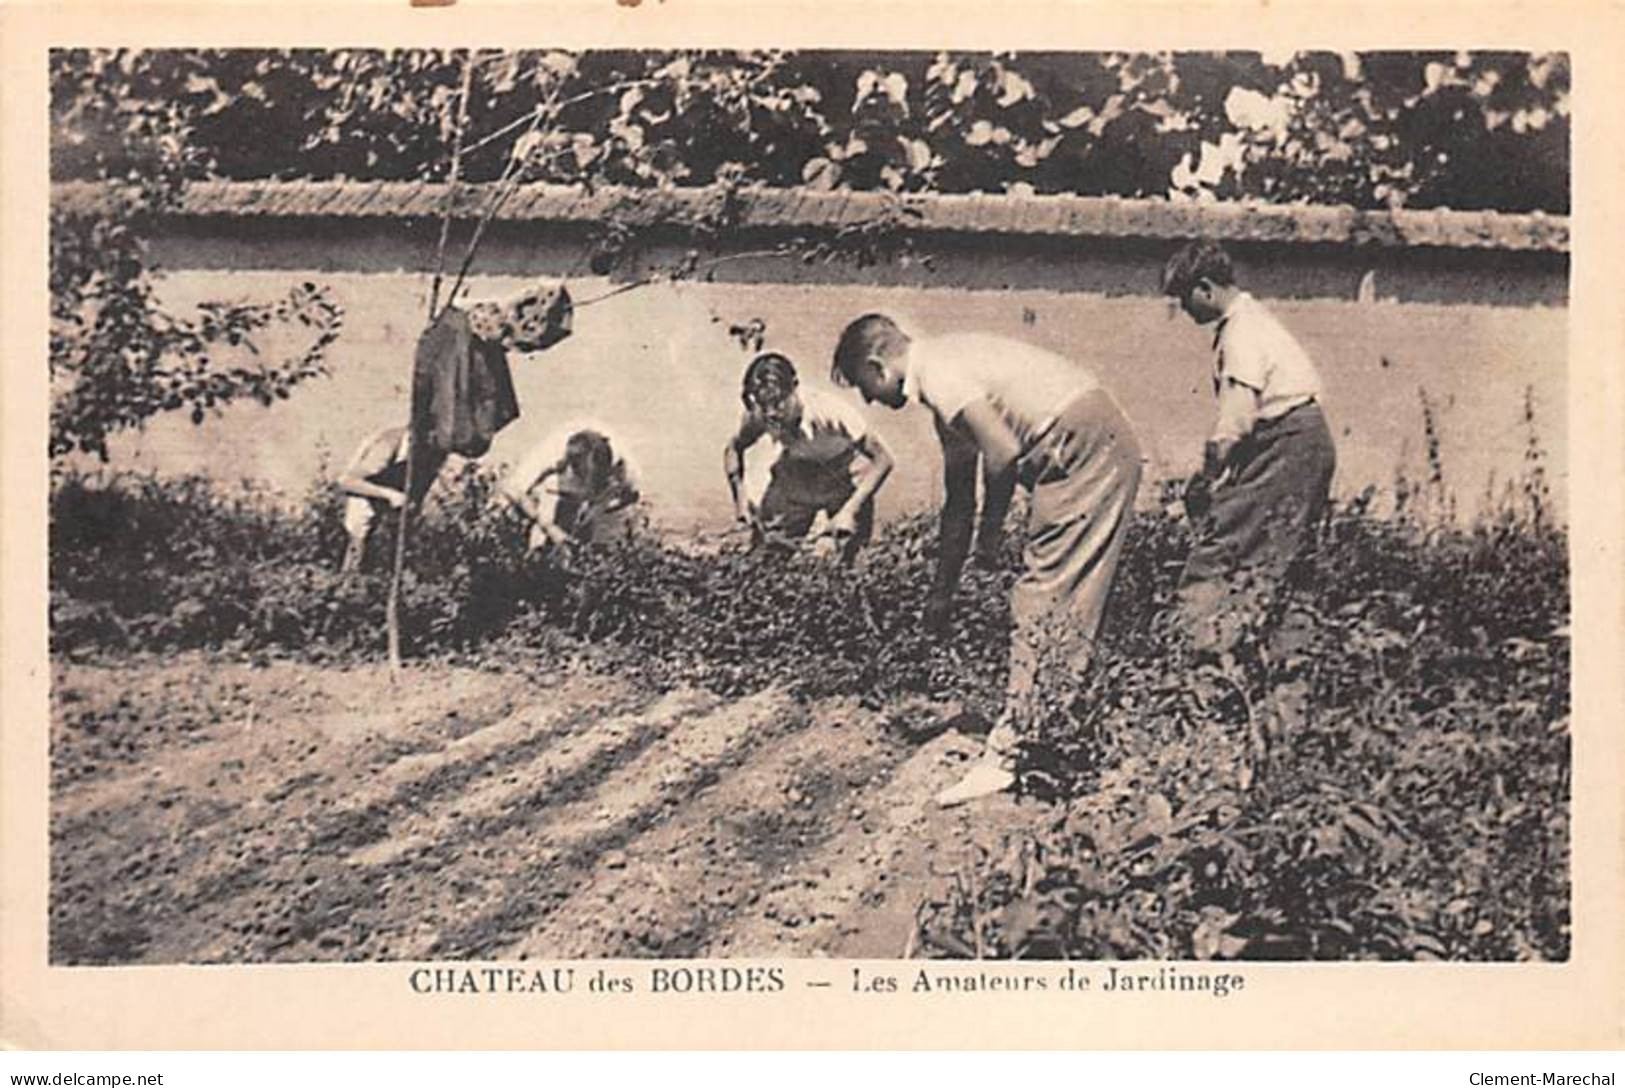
(462, 388)
(462, 392)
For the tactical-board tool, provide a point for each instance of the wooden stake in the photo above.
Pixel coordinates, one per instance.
(414, 440)
(392, 611)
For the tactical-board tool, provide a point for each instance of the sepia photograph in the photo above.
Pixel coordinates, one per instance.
(556, 504)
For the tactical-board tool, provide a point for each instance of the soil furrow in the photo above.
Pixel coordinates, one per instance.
(471, 815)
(855, 896)
(225, 842)
(340, 904)
(366, 818)
(622, 810)
(518, 786)
(717, 855)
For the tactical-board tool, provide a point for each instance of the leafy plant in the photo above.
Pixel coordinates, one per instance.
(118, 356)
(1374, 129)
(1404, 796)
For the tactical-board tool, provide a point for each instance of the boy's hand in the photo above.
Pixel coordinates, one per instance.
(746, 525)
(843, 524)
(1198, 496)
(937, 613)
(396, 500)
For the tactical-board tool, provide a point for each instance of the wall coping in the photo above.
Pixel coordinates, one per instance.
(801, 209)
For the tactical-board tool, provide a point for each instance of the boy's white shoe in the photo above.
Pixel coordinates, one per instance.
(988, 777)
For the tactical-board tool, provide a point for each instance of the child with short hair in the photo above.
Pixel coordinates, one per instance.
(1267, 466)
(576, 487)
(831, 464)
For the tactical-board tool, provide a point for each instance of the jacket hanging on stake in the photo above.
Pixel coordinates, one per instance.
(462, 390)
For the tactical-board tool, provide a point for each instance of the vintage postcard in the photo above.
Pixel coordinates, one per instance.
(645, 524)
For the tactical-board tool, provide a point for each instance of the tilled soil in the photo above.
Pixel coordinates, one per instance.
(214, 811)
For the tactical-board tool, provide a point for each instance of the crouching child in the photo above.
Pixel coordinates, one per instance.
(576, 488)
(830, 464)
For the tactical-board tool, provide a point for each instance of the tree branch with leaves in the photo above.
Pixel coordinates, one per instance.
(118, 355)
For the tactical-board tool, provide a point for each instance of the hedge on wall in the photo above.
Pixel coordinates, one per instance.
(1373, 130)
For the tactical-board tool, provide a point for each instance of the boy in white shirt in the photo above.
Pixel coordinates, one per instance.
(375, 481)
(830, 463)
(1026, 416)
(576, 486)
(1267, 468)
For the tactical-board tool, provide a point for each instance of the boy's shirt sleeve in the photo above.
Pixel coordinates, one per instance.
(1243, 373)
(523, 476)
(836, 414)
(851, 419)
(1245, 355)
(945, 387)
(1238, 411)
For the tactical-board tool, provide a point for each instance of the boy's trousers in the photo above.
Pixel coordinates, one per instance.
(1087, 470)
(1261, 522)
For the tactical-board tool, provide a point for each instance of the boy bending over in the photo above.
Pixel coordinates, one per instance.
(1027, 416)
(577, 488)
